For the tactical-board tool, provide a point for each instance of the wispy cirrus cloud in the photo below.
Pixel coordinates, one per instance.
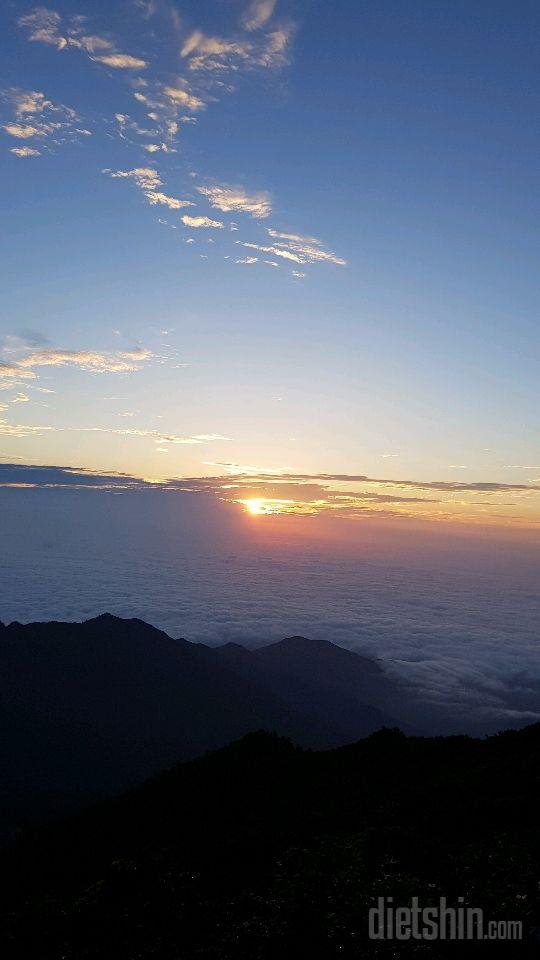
(212, 54)
(90, 360)
(309, 249)
(296, 249)
(229, 199)
(43, 25)
(23, 368)
(292, 237)
(23, 431)
(168, 104)
(257, 14)
(275, 251)
(12, 371)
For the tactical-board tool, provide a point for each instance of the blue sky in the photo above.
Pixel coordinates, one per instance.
(400, 343)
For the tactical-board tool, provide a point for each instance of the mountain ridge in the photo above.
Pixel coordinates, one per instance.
(93, 707)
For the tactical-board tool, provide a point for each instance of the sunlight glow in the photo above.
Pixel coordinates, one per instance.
(262, 506)
(255, 507)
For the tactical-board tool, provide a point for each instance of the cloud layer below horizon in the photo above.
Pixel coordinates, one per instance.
(458, 624)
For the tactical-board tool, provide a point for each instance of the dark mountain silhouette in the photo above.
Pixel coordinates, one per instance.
(91, 708)
(262, 850)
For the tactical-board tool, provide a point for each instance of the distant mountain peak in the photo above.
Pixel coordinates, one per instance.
(105, 618)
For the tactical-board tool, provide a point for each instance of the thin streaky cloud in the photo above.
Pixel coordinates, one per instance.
(275, 251)
(121, 61)
(300, 253)
(89, 360)
(229, 199)
(292, 237)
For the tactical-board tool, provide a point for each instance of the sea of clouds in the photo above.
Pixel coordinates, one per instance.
(461, 626)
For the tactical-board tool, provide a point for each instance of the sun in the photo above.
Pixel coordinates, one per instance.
(267, 506)
(256, 507)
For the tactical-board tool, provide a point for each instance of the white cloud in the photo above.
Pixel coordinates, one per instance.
(36, 116)
(182, 96)
(92, 44)
(22, 131)
(227, 199)
(25, 152)
(28, 101)
(121, 61)
(44, 25)
(146, 178)
(298, 274)
(11, 371)
(218, 54)
(208, 52)
(257, 14)
(247, 260)
(155, 197)
(201, 222)
(275, 53)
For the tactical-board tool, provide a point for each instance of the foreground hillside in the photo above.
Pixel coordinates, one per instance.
(263, 850)
(89, 709)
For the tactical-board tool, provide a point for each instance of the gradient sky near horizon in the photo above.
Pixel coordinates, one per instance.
(289, 245)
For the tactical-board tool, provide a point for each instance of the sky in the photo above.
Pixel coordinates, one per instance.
(282, 253)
